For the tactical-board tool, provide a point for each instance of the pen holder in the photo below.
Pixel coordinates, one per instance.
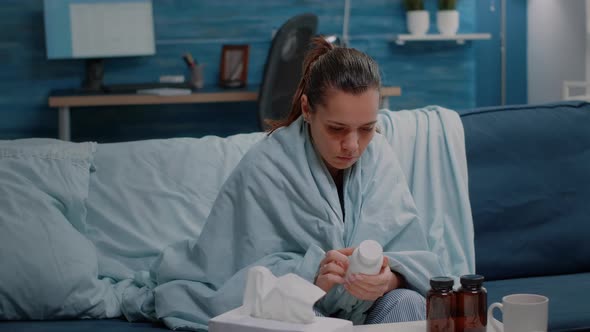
(196, 80)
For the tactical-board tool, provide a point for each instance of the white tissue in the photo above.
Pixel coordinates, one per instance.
(274, 304)
(289, 298)
(236, 321)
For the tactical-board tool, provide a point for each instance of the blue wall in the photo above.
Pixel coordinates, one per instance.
(488, 56)
(516, 52)
(441, 73)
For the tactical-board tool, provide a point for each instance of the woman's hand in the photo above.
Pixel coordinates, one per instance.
(371, 287)
(333, 268)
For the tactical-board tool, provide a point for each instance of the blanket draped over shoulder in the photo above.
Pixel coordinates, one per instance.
(280, 209)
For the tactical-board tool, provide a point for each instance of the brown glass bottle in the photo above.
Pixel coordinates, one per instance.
(440, 305)
(471, 305)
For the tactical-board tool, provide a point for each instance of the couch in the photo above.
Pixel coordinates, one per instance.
(529, 184)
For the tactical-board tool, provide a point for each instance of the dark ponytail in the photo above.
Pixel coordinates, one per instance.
(329, 67)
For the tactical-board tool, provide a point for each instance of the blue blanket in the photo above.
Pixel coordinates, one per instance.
(430, 144)
(280, 209)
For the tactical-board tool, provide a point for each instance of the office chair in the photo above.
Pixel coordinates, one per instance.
(282, 70)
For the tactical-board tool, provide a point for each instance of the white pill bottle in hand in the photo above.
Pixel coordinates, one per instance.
(367, 258)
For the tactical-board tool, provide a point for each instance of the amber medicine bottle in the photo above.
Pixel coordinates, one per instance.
(471, 313)
(440, 305)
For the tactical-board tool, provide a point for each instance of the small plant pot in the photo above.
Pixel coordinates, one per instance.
(418, 22)
(447, 22)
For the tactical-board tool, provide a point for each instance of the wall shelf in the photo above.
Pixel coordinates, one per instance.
(459, 38)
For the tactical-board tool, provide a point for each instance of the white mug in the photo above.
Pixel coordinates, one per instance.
(520, 313)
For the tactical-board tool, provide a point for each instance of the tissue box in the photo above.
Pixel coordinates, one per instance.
(236, 321)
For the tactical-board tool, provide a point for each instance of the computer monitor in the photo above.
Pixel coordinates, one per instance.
(98, 29)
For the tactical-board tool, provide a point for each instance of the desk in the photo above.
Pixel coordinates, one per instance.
(64, 100)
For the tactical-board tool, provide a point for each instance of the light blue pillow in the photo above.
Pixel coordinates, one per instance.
(148, 194)
(49, 270)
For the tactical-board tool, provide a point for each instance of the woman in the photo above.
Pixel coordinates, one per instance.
(300, 201)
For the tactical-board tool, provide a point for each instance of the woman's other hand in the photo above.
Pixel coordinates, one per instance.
(333, 268)
(371, 287)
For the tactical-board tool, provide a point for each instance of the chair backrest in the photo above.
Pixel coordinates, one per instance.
(282, 70)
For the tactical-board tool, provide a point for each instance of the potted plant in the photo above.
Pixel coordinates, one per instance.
(417, 18)
(447, 17)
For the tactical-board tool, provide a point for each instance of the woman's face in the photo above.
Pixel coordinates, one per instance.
(343, 127)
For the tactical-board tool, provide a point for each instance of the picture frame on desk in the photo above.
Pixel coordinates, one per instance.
(234, 66)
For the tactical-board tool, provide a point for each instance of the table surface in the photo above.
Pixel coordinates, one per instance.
(419, 326)
(71, 98)
(65, 99)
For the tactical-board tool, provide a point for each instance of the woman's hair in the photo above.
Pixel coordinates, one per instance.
(328, 67)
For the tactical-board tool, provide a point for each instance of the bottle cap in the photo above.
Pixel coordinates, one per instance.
(441, 282)
(472, 280)
(370, 252)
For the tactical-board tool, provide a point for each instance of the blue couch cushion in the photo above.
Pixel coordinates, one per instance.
(48, 270)
(568, 297)
(529, 185)
(87, 325)
(149, 194)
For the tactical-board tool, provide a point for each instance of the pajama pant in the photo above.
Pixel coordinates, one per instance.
(399, 305)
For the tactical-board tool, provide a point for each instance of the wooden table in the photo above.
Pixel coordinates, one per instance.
(64, 100)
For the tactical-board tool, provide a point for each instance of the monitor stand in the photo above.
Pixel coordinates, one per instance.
(94, 75)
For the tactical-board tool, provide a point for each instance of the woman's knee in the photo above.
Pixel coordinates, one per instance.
(398, 305)
(412, 296)
(405, 298)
